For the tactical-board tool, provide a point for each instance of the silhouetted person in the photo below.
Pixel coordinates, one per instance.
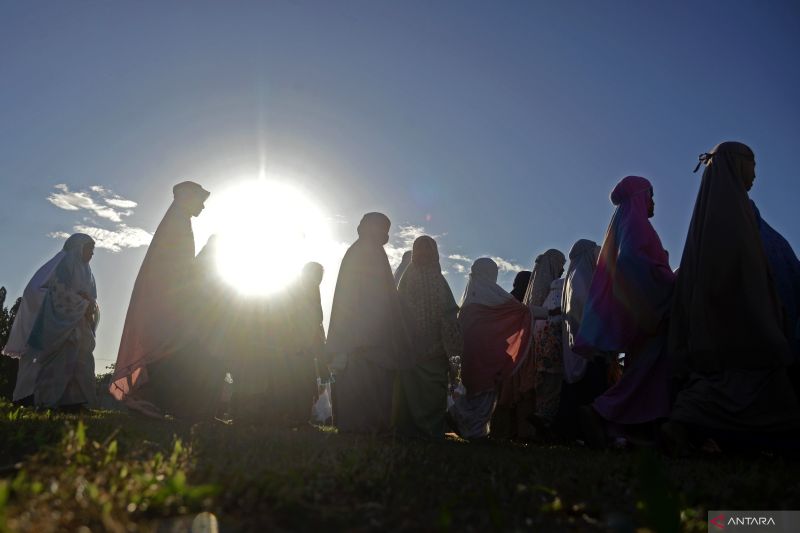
(627, 311)
(297, 387)
(548, 352)
(728, 333)
(421, 395)
(497, 333)
(54, 332)
(521, 281)
(367, 338)
(160, 368)
(585, 377)
(401, 268)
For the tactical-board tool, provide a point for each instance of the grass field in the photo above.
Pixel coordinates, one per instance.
(114, 472)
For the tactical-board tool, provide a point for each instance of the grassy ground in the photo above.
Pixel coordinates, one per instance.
(114, 472)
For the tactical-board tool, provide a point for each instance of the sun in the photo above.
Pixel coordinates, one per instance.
(266, 230)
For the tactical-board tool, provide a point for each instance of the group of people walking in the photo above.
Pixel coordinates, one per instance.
(618, 347)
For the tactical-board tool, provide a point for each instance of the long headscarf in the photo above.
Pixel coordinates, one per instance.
(496, 329)
(426, 292)
(34, 294)
(482, 287)
(582, 262)
(632, 284)
(57, 319)
(546, 269)
(726, 313)
(60, 311)
(155, 325)
(786, 274)
(367, 318)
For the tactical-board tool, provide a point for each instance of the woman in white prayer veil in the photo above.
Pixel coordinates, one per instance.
(585, 377)
(17, 344)
(54, 333)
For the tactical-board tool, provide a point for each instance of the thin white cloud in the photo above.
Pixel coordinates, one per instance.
(63, 198)
(507, 266)
(402, 241)
(121, 203)
(105, 204)
(115, 240)
(459, 268)
(409, 233)
(459, 257)
(394, 253)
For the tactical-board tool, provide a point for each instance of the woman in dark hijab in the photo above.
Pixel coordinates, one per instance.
(367, 339)
(727, 332)
(521, 281)
(421, 393)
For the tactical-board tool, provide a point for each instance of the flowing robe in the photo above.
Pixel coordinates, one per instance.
(367, 339)
(627, 309)
(728, 332)
(154, 324)
(421, 392)
(62, 338)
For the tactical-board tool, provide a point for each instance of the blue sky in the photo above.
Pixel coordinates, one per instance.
(501, 127)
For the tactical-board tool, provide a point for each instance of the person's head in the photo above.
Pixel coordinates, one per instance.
(554, 261)
(312, 273)
(82, 244)
(425, 252)
(191, 197)
(636, 191)
(581, 248)
(374, 227)
(522, 279)
(485, 268)
(742, 158)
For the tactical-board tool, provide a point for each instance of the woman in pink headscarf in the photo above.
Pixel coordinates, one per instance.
(627, 312)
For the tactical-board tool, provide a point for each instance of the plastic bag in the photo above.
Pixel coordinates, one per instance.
(322, 411)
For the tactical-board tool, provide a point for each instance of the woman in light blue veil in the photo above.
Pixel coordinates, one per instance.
(62, 340)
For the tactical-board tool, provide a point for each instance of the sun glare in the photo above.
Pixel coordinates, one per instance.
(267, 230)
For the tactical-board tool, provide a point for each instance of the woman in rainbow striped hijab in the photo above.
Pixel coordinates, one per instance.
(626, 312)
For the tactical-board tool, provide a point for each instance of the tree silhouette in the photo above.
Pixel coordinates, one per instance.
(8, 366)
